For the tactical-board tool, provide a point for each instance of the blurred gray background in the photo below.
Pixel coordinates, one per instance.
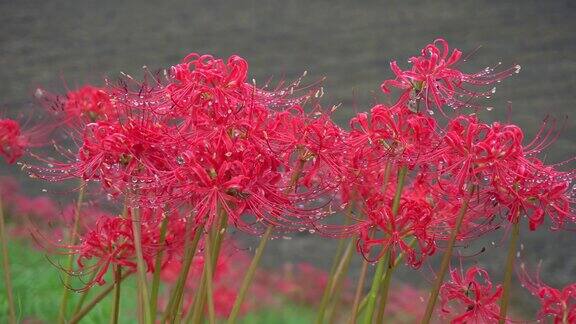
(47, 43)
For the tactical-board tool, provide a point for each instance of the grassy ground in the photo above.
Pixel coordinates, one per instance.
(38, 289)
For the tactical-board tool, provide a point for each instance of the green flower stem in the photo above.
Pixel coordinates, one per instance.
(249, 275)
(358, 294)
(339, 281)
(140, 266)
(196, 313)
(342, 258)
(189, 251)
(446, 258)
(375, 289)
(386, 284)
(209, 292)
(6, 268)
(509, 270)
(80, 314)
(364, 301)
(157, 270)
(116, 303)
(335, 264)
(384, 290)
(70, 261)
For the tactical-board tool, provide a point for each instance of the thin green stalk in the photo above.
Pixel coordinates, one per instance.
(335, 276)
(358, 294)
(399, 259)
(401, 178)
(209, 292)
(373, 294)
(140, 266)
(189, 251)
(446, 258)
(196, 313)
(249, 275)
(339, 282)
(335, 264)
(80, 314)
(384, 290)
(509, 270)
(157, 270)
(70, 261)
(6, 268)
(375, 289)
(116, 303)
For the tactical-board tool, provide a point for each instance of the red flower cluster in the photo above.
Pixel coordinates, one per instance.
(434, 78)
(558, 304)
(89, 103)
(111, 242)
(463, 159)
(13, 142)
(207, 138)
(470, 297)
(201, 138)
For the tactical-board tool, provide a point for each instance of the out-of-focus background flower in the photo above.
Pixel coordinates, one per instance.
(59, 44)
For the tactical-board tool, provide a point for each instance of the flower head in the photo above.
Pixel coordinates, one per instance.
(435, 78)
(13, 142)
(558, 304)
(470, 297)
(89, 103)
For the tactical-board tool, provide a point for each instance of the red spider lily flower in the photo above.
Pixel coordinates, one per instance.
(475, 151)
(311, 144)
(392, 233)
(470, 297)
(205, 138)
(558, 304)
(241, 180)
(392, 135)
(89, 103)
(434, 78)
(204, 87)
(123, 156)
(13, 141)
(538, 191)
(111, 242)
(492, 159)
